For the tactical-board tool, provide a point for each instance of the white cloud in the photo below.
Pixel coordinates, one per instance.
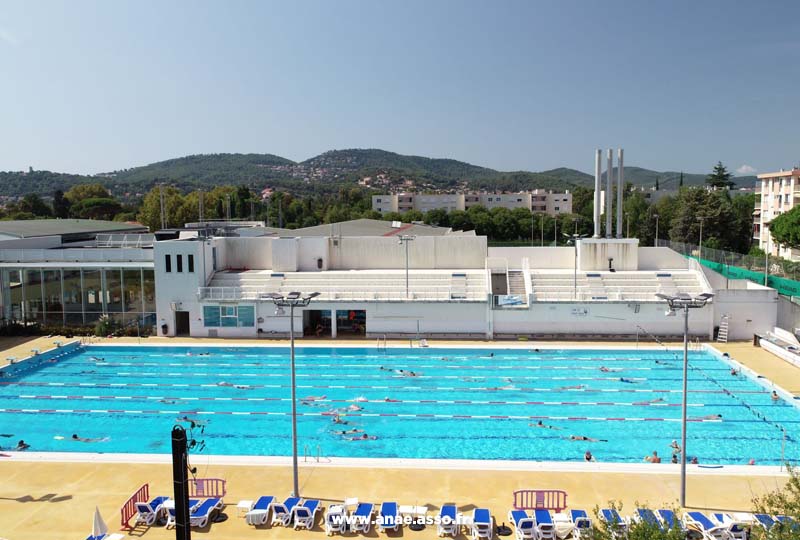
(745, 170)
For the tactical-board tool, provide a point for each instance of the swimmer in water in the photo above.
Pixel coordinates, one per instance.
(363, 437)
(168, 401)
(313, 398)
(626, 380)
(88, 440)
(338, 420)
(22, 446)
(775, 396)
(348, 431)
(360, 399)
(576, 387)
(355, 407)
(540, 424)
(710, 417)
(192, 421)
(584, 438)
(390, 400)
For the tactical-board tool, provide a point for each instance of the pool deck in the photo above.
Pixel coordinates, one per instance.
(55, 499)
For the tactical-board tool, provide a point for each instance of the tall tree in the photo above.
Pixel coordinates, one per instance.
(80, 192)
(720, 177)
(680, 182)
(785, 229)
(60, 205)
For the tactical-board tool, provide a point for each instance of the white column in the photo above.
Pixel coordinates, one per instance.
(620, 186)
(598, 165)
(333, 323)
(609, 192)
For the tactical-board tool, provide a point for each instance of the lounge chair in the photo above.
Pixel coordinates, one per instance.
(735, 529)
(482, 524)
(362, 517)
(765, 520)
(259, 514)
(645, 515)
(148, 513)
(616, 525)
(282, 512)
(447, 520)
(306, 514)
(389, 517)
(669, 519)
(335, 519)
(545, 529)
(200, 516)
(193, 503)
(787, 522)
(524, 525)
(710, 530)
(582, 524)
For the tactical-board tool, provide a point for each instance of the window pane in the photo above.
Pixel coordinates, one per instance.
(179, 259)
(149, 290)
(168, 262)
(72, 291)
(132, 281)
(12, 282)
(91, 293)
(190, 261)
(211, 316)
(229, 322)
(247, 316)
(113, 290)
(33, 294)
(52, 293)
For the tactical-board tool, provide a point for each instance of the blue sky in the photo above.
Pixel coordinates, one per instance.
(97, 86)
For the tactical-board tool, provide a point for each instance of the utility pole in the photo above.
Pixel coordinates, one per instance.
(163, 206)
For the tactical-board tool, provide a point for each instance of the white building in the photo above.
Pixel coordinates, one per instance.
(535, 201)
(776, 193)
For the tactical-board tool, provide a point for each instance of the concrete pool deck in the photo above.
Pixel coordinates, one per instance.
(56, 499)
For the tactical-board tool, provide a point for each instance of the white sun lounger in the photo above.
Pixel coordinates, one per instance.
(389, 516)
(335, 519)
(545, 528)
(282, 512)
(305, 514)
(447, 522)
(200, 515)
(147, 513)
(700, 522)
(524, 525)
(259, 514)
(482, 524)
(582, 524)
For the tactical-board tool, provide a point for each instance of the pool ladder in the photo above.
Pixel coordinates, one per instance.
(306, 449)
(381, 343)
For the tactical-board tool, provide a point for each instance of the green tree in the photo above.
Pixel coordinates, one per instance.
(719, 221)
(504, 225)
(33, 204)
(742, 206)
(96, 208)
(413, 215)
(481, 219)
(437, 216)
(680, 182)
(177, 211)
(719, 177)
(60, 205)
(583, 203)
(461, 221)
(634, 208)
(80, 192)
(785, 229)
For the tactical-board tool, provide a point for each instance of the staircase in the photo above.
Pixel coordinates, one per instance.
(722, 335)
(516, 283)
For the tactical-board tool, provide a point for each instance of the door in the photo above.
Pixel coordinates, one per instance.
(181, 323)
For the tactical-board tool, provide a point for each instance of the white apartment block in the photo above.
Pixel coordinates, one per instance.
(538, 200)
(778, 192)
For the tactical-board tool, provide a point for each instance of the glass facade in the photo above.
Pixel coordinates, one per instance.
(229, 316)
(78, 296)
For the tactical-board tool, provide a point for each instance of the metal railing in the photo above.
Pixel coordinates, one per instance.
(351, 293)
(124, 240)
(109, 255)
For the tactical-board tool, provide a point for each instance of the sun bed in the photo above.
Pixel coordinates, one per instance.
(259, 514)
(616, 525)
(447, 522)
(335, 519)
(389, 516)
(766, 521)
(305, 514)
(524, 525)
(645, 515)
(362, 517)
(669, 519)
(193, 503)
(710, 530)
(148, 513)
(482, 524)
(735, 529)
(545, 529)
(200, 516)
(282, 512)
(582, 523)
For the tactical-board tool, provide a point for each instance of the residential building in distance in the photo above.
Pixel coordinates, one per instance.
(538, 200)
(776, 193)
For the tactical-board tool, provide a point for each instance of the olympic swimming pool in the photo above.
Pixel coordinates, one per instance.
(463, 403)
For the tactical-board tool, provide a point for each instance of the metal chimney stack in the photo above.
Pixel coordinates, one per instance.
(598, 165)
(609, 192)
(620, 187)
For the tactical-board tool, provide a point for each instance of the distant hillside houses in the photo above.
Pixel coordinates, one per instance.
(538, 200)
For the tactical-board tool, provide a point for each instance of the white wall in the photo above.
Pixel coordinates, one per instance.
(540, 257)
(749, 311)
(311, 249)
(593, 253)
(284, 254)
(42, 242)
(250, 253)
(177, 287)
(426, 252)
(661, 258)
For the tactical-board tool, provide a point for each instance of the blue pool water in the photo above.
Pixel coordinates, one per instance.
(464, 403)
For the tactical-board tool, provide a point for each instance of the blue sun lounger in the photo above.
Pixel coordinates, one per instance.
(148, 513)
(305, 514)
(200, 516)
(645, 515)
(448, 520)
(617, 526)
(669, 519)
(582, 523)
(709, 529)
(524, 525)
(765, 520)
(362, 517)
(193, 503)
(259, 514)
(482, 524)
(545, 529)
(389, 516)
(282, 512)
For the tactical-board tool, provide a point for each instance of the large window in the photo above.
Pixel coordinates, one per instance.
(92, 294)
(149, 290)
(113, 290)
(33, 295)
(73, 297)
(12, 294)
(190, 263)
(132, 280)
(229, 316)
(53, 305)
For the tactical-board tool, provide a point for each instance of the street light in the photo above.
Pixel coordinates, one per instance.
(685, 302)
(292, 300)
(405, 239)
(574, 239)
(655, 242)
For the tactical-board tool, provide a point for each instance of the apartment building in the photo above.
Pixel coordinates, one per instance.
(776, 193)
(538, 200)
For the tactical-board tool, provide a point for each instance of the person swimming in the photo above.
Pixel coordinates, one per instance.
(541, 424)
(338, 420)
(626, 380)
(89, 440)
(775, 396)
(584, 438)
(168, 401)
(604, 369)
(348, 431)
(390, 400)
(21, 446)
(363, 437)
(709, 417)
(576, 387)
(192, 421)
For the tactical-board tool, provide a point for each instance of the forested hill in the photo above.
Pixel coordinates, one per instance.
(328, 172)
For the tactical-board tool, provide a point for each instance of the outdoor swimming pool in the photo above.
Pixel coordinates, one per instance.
(463, 403)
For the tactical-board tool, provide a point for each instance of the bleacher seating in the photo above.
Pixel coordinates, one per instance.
(613, 286)
(366, 285)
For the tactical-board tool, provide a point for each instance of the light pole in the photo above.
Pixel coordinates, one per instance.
(541, 216)
(292, 300)
(405, 239)
(574, 239)
(684, 302)
(766, 258)
(655, 241)
(700, 256)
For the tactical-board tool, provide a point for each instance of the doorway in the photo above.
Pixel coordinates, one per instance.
(181, 323)
(351, 322)
(317, 322)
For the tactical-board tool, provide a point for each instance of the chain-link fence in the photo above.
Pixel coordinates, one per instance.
(783, 275)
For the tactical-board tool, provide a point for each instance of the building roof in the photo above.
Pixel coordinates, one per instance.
(65, 227)
(362, 227)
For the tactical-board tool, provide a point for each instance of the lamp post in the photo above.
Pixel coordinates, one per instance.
(292, 300)
(766, 257)
(574, 239)
(684, 302)
(655, 241)
(405, 239)
(541, 219)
